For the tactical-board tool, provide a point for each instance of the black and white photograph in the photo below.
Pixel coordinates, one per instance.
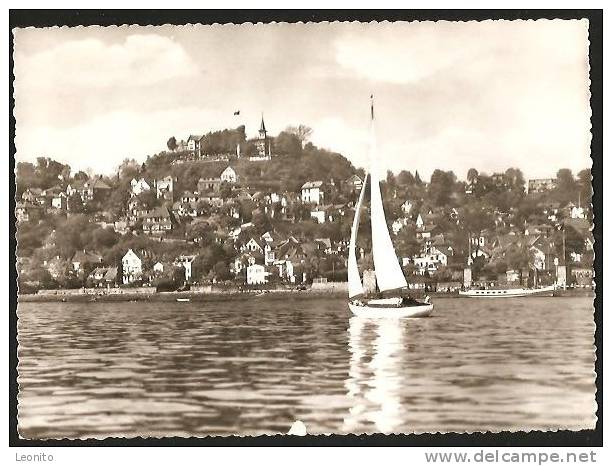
(307, 228)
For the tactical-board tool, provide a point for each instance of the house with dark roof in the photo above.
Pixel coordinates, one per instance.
(188, 209)
(83, 258)
(314, 192)
(194, 144)
(157, 221)
(89, 190)
(543, 252)
(213, 175)
(245, 259)
(27, 212)
(139, 186)
(103, 276)
(32, 196)
(353, 183)
(136, 209)
(252, 245)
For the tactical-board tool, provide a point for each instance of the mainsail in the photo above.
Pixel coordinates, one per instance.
(389, 275)
(355, 286)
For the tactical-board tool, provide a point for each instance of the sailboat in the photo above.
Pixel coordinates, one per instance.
(389, 276)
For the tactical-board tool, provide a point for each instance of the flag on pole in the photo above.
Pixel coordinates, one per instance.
(237, 112)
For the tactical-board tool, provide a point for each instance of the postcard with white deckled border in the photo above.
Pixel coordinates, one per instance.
(333, 228)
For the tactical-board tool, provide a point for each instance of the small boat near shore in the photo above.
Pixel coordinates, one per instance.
(183, 300)
(509, 292)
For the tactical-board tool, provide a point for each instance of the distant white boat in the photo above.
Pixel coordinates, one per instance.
(509, 292)
(389, 275)
(183, 300)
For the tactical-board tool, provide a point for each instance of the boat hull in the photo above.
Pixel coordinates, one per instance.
(509, 293)
(391, 312)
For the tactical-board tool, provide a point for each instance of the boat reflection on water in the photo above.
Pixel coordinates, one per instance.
(374, 383)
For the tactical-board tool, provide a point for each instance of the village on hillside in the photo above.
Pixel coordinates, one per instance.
(276, 211)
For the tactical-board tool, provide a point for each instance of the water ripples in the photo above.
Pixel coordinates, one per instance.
(254, 367)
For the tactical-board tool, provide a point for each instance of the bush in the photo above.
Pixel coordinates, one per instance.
(166, 285)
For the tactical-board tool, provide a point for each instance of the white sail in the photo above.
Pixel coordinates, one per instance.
(389, 275)
(354, 280)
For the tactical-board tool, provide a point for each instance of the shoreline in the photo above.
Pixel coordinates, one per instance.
(211, 296)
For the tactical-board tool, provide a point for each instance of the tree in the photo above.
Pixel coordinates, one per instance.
(149, 199)
(246, 210)
(516, 180)
(441, 187)
(116, 203)
(49, 171)
(172, 143)
(476, 217)
(80, 176)
(586, 188)
(567, 188)
(41, 276)
(222, 271)
(207, 259)
(73, 234)
(574, 241)
(472, 175)
(25, 177)
(287, 144)
(129, 168)
(405, 178)
(261, 221)
(408, 245)
(75, 204)
(417, 178)
(302, 132)
(199, 231)
(390, 182)
(104, 238)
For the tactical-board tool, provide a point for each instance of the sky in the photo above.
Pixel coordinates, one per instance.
(448, 95)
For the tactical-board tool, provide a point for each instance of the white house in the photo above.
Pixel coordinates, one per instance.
(430, 262)
(59, 201)
(194, 143)
(354, 182)
(285, 270)
(312, 192)
(186, 262)
(399, 224)
(158, 268)
(139, 186)
(165, 187)
(406, 207)
(252, 245)
(131, 265)
(81, 259)
(256, 275)
(243, 260)
(318, 215)
(229, 175)
(419, 221)
(577, 212)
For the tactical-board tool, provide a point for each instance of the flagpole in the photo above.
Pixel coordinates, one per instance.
(237, 114)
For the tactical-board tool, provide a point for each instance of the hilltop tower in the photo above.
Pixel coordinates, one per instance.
(262, 142)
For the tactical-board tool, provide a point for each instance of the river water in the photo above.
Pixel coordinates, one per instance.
(255, 366)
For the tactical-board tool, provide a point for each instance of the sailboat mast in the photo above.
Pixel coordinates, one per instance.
(389, 274)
